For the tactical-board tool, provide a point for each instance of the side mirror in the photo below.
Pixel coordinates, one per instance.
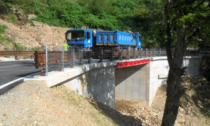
(88, 35)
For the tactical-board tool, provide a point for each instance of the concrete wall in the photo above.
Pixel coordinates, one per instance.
(131, 82)
(141, 82)
(97, 84)
(159, 71)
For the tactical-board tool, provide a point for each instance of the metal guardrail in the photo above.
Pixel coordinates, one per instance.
(58, 60)
(16, 53)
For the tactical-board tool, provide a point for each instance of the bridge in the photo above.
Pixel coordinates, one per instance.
(105, 75)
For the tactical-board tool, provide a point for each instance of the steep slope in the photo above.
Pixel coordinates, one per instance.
(35, 35)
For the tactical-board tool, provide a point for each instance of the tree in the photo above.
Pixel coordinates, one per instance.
(185, 21)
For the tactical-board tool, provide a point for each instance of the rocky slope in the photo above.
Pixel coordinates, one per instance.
(34, 36)
(194, 107)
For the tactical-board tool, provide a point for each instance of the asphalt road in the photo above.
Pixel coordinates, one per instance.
(13, 70)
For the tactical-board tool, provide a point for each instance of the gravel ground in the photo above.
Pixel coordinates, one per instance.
(32, 104)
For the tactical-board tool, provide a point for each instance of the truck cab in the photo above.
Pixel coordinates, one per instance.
(80, 37)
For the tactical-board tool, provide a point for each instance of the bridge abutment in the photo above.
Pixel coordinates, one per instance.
(141, 82)
(97, 84)
(132, 83)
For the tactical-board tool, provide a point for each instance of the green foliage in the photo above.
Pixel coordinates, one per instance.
(145, 16)
(106, 14)
(35, 49)
(12, 19)
(4, 39)
(19, 47)
(2, 28)
(31, 21)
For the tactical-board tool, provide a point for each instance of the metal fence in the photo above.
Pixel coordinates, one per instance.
(75, 56)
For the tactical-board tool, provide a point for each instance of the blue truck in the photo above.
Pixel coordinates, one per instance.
(87, 38)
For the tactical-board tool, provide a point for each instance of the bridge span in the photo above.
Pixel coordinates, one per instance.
(134, 79)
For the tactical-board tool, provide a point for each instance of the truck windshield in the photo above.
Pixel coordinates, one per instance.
(75, 35)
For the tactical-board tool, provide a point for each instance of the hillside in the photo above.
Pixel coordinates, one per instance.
(33, 36)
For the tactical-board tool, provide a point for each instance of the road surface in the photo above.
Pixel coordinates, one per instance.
(13, 70)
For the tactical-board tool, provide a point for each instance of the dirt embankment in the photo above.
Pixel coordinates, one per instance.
(31, 104)
(34, 36)
(194, 107)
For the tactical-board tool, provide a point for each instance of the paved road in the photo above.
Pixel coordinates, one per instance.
(13, 70)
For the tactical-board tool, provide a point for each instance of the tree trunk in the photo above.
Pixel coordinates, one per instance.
(173, 82)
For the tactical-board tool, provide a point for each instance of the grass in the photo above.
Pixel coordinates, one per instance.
(2, 28)
(3, 39)
(12, 19)
(31, 21)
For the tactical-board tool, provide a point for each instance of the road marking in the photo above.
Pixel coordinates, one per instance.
(11, 82)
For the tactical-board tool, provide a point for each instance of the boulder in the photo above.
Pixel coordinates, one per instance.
(31, 16)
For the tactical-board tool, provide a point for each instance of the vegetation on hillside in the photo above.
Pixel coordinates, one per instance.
(144, 16)
(134, 15)
(3, 39)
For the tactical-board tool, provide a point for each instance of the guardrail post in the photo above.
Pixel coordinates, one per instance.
(69, 57)
(151, 52)
(154, 52)
(73, 56)
(89, 57)
(135, 52)
(141, 53)
(129, 52)
(121, 54)
(46, 62)
(62, 58)
(159, 51)
(146, 53)
(112, 51)
(81, 56)
(102, 54)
